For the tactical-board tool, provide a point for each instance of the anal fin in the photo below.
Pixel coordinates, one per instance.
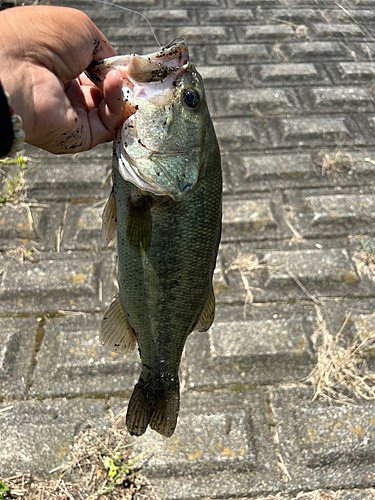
(109, 219)
(208, 314)
(115, 331)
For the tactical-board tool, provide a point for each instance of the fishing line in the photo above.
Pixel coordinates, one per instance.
(130, 10)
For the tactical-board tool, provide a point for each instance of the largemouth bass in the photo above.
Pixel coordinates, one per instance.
(166, 207)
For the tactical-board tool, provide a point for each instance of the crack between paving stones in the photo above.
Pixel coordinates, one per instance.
(39, 335)
(60, 229)
(272, 422)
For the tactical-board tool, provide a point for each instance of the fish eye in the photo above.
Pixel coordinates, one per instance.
(191, 98)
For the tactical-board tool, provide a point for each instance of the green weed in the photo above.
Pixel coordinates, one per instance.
(4, 490)
(13, 182)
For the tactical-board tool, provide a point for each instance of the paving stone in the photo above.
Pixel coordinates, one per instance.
(343, 213)
(324, 446)
(318, 130)
(240, 134)
(247, 172)
(199, 3)
(288, 74)
(73, 362)
(256, 102)
(222, 444)
(348, 99)
(59, 180)
(356, 72)
(64, 282)
(269, 32)
(170, 16)
(36, 436)
(229, 53)
(296, 16)
(316, 50)
(250, 352)
(17, 336)
(16, 225)
(83, 227)
(227, 16)
(213, 34)
(343, 31)
(222, 76)
(323, 272)
(244, 219)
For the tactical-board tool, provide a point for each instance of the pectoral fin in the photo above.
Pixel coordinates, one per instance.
(115, 331)
(109, 219)
(139, 225)
(208, 314)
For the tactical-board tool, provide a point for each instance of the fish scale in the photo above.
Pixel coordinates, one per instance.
(166, 208)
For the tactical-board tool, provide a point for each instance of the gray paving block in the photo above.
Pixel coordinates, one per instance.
(240, 134)
(17, 338)
(346, 98)
(58, 282)
(288, 73)
(16, 225)
(324, 446)
(56, 179)
(222, 447)
(245, 219)
(227, 16)
(271, 32)
(219, 54)
(317, 131)
(315, 51)
(36, 436)
(213, 34)
(254, 102)
(296, 16)
(343, 213)
(73, 362)
(83, 227)
(251, 351)
(324, 273)
(339, 30)
(355, 72)
(249, 172)
(220, 76)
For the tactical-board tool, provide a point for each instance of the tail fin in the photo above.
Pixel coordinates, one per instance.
(157, 406)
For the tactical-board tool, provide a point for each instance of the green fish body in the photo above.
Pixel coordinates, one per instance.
(167, 213)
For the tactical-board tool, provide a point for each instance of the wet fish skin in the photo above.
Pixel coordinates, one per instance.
(164, 290)
(168, 222)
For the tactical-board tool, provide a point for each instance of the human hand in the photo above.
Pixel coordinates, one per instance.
(43, 52)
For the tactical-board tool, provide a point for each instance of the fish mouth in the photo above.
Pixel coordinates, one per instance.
(152, 77)
(139, 69)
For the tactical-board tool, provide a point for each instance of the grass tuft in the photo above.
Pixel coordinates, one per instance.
(12, 182)
(100, 466)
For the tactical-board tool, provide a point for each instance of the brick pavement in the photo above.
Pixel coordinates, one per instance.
(291, 89)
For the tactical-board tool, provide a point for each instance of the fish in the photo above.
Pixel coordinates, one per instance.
(166, 206)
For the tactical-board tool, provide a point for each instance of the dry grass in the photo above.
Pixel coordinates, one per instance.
(101, 465)
(341, 374)
(316, 495)
(336, 162)
(365, 260)
(248, 265)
